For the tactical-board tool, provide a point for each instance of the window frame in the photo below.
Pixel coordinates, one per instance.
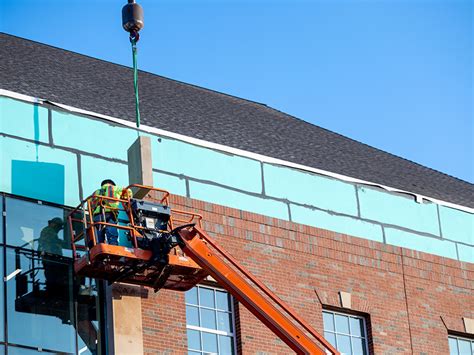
(200, 329)
(348, 315)
(460, 337)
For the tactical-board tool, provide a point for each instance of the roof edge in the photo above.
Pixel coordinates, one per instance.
(230, 150)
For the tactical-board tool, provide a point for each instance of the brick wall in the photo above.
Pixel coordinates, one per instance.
(411, 297)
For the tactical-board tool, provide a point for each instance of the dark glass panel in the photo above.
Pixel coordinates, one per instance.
(39, 301)
(34, 226)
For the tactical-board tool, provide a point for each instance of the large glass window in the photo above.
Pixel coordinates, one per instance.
(347, 333)
(35, 226)
(40, 306)
(46, 306)
(461, 346)
(209, 321)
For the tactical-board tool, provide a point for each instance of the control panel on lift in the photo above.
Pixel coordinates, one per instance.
(148, 252)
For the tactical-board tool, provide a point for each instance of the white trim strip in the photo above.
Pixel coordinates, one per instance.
(262, 158)
(12, 275)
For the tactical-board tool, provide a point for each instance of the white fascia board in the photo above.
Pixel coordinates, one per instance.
(202, 143)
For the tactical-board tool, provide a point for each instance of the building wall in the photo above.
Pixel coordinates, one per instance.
(70, 154)
(410, 299)
(306, 236)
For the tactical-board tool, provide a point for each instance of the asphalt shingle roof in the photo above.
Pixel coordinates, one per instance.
(73, 79)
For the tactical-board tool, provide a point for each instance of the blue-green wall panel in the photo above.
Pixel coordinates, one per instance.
(91, 136)
(24, 120)
(29, 165)
(206, 164)
(37, 171)
(339, 224)
(174, 185)
(310, 189)
(466, 253)
(48, 180)
(457, 225)
(238, 200)
(398, 210)
(421, 243)
(95, 170)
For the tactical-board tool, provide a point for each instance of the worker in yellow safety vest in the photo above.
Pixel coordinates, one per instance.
(105, 210)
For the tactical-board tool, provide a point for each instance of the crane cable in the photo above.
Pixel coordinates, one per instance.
(133, 41)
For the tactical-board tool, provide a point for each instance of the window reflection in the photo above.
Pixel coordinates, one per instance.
(40, 310)
(88, 317)
(34, 226)
(46, 306)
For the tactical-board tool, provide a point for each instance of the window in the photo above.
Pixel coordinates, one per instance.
(209, 321)
(347, 333)
(460, 346)
(29, 223)
(46, 307)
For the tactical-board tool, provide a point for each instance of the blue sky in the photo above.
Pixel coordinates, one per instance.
(397, 75)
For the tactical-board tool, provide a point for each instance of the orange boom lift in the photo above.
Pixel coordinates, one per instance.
(162, 247)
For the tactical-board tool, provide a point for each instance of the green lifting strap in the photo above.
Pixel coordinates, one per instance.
(133, 40)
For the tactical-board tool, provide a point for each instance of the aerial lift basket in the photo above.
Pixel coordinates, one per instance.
(133, 261)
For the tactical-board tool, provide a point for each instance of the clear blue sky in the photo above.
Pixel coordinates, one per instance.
(397, 75)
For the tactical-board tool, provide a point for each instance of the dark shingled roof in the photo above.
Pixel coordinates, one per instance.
(73, 79)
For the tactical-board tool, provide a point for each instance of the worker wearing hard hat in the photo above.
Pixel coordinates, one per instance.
(106, 210)
(49, 243)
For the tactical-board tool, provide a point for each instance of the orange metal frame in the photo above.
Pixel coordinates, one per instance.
(225, 269)
(131, 265)
(89, 232)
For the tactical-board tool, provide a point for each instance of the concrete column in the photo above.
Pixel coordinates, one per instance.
(127, 319)
(126, 299)
(140, 165)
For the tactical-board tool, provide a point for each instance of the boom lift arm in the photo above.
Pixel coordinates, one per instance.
(225, 269)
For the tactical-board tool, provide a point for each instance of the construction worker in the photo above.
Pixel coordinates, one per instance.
(106, 210)
(49, 243)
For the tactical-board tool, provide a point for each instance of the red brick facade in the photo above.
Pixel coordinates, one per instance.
(409, 298)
